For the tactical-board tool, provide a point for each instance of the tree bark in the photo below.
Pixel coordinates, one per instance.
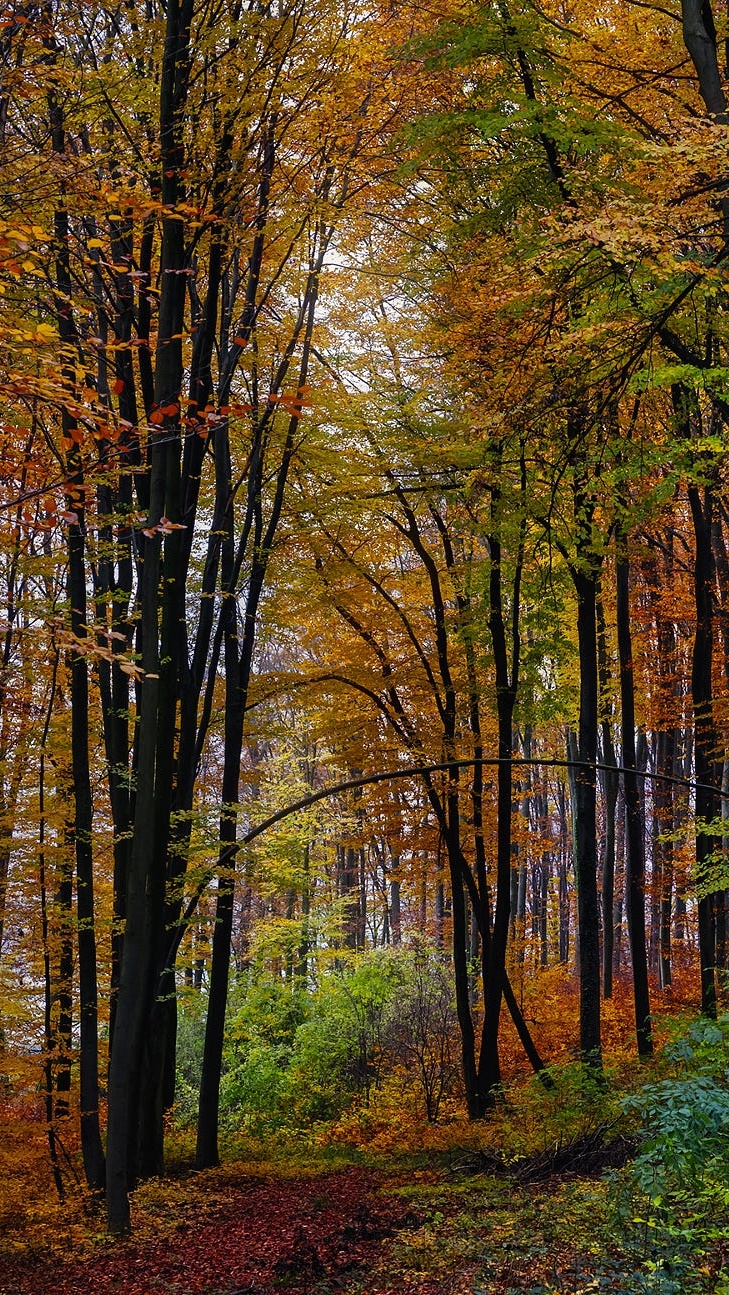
(635, 882)
(92, 1150)
(610, 787)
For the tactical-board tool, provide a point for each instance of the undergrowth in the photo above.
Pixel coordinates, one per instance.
(657, 1226)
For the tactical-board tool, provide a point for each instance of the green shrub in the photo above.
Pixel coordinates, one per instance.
(251, 1092)
(189, 1055)
(292, 1058)
(339, 1051)
(679, 1206)
(264, 1012)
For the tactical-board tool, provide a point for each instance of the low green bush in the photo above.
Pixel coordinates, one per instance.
(675, 1202)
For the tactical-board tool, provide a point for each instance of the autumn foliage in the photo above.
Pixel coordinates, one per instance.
(364, 566)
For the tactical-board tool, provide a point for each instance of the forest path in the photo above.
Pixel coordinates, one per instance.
(358, 1230)
(221, 1233)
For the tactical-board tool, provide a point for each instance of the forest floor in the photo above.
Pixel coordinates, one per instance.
(438, 1229)
(382, 1204)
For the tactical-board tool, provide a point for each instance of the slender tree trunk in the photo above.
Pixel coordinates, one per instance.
(663, 796)
(238, 666)
(635, 884)
(610, 782)
(588, 911)
(565, 836)
(395, 915)
(701, 502)
(48, 986)
(507, 684)
(705, 741)
(93, 1155)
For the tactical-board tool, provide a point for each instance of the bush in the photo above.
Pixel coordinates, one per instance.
(252, 1092)
(189, 1055)
(422, 1028)
(264, 1019)
(291, 1058)
(339, 1052)
(686, 1118)
(262, 1022)
(680, 1205)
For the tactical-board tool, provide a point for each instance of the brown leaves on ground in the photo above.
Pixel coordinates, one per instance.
(230, 1235)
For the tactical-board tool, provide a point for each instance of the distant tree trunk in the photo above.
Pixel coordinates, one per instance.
(610, 782)
(395, 918)
(620, 883)
(701, 502)
(48, 1038)
(666, 753)
(565, 836)
(349, 882)
(705, 740)
(64, 998)
(635, 883)
(663, 794)
(721, 560)
(540, 879)
(305, 941)
(14, 724)
(439, 906)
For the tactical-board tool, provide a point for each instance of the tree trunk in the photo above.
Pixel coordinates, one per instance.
(588, 911)
(635, 881)
(705, 741)
(610, 784)
(92, 1150)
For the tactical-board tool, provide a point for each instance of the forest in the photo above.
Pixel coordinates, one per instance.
(364, 646)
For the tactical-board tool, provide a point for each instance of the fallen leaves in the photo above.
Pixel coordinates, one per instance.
(230, 1233)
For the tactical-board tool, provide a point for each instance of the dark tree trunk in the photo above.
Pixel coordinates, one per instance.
(699, 35)
(701, 502)
(588, 911)
(705, 740)
(92, 1150)
(160, 593)
(507, 685)
(610, 782)
(635, 881)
